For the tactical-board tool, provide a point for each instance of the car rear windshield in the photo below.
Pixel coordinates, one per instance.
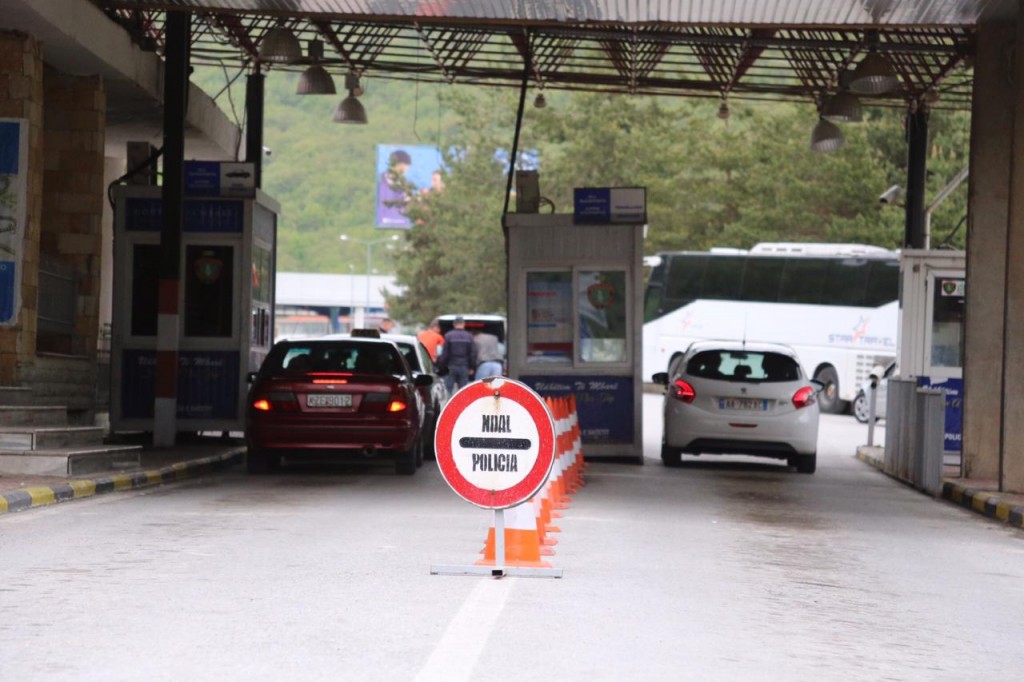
(743, 365)
(340, 356)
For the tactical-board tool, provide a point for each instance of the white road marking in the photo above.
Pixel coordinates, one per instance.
(457, 652)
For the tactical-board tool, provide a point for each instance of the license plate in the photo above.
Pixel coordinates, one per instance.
(755, 404)
(329, 400)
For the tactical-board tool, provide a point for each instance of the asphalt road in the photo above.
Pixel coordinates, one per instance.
(722, 569)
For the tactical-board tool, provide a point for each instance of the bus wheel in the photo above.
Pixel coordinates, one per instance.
(828, 399)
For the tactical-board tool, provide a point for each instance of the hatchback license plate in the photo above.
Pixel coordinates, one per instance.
(329, 400)
(742, 404)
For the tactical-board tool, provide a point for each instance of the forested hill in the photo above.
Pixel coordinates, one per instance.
(711, 181)
(322, 172)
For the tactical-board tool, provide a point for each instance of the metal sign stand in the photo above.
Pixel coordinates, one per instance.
(499, 569)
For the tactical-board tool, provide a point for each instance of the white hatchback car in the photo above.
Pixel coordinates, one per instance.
(728, 397)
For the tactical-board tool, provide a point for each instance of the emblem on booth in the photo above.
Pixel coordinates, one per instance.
(208, 267)
(600, 295)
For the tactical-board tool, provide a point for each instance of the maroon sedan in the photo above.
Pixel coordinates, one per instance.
(349, 398)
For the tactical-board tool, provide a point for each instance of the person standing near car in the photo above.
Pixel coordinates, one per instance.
(458, 355)
(431, 338)
(490, 354)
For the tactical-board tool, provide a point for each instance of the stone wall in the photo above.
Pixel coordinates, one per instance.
(21, 96)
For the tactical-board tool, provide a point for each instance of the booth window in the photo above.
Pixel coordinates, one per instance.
(947, 322)
(549, 317)
(209, 290)
(601, 297)
(145, 289)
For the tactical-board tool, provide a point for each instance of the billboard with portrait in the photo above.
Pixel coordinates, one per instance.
(403, 173)
(13, 202)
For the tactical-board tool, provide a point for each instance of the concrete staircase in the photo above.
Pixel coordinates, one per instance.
(37, 440)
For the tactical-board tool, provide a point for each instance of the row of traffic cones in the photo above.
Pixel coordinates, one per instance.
(529, 527)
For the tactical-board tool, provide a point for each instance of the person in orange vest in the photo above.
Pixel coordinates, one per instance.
(431, 338)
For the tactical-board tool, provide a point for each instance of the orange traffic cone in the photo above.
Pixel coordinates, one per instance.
(522, 545)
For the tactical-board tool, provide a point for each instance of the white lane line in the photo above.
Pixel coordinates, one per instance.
(457, 652)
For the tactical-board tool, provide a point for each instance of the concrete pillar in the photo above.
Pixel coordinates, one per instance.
(75, 121)
(21, 97)
(994, 353)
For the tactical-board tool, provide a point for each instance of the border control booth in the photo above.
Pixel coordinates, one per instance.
(226, 298)
(575, 314)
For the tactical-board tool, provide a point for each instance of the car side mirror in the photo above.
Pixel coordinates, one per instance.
(877, 372)
(423, 380)
(660, 378)
(250, 377)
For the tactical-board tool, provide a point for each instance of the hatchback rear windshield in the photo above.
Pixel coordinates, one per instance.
(339, 356)
(743, 365)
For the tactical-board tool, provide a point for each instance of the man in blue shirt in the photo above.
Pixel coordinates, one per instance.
(458, 355)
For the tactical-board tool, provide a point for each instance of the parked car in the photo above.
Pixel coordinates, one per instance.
(728, 397)
(434, 396)
(861, 406)
(351, 398)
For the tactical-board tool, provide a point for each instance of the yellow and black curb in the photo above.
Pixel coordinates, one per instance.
(39, 496)
(982, 502)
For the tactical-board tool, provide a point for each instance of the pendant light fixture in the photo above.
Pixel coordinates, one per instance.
(280, 46)
(826, 136)
(843, 107)
(315, 80)
(874, 75)
(350, 109)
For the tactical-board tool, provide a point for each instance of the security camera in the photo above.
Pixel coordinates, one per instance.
(267, 151)
(891, 195)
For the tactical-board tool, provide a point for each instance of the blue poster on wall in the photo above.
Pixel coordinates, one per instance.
(604, 404)
(954, 390)
(13, 202)
(207, 384)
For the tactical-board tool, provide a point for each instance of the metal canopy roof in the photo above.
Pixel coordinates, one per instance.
(772, 49)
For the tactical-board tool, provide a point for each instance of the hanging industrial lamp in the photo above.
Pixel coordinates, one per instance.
(842, 107)
(280, 46)
(350, 109)
(315, 80)
(874, 75)
(826, 137)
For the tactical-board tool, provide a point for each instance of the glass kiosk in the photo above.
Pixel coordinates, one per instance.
(932, 329)
(226, 297)
(575, 322)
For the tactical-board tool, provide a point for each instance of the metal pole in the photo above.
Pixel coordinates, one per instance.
(872, 404)
(369, 269)
(917, 168)
(254, 125)
(499, 541)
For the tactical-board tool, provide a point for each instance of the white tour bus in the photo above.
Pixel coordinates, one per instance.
(835, 304)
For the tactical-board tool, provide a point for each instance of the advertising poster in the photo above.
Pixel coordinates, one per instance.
(549, 316)
(13, 200)
(404, 173)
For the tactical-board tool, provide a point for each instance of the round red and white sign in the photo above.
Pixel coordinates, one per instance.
(495, 443)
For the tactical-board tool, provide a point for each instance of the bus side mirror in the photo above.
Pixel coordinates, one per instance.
(660, 378)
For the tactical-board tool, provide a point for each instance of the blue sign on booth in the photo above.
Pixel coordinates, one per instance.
(604, 404)
(954, 390)
(207, 384)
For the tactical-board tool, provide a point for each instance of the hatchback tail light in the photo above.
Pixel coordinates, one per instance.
(683, 391)
(397, 406)
(804, 397)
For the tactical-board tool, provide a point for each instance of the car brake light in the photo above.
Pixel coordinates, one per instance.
(804, 397)
(262, 405)
(683, 391)
(396, 406)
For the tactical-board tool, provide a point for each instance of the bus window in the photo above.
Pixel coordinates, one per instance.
(723, 277)
(802, 280)
(846, 282)
(685, 276)
(883, 283)
(761, 279)
(652, 302)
